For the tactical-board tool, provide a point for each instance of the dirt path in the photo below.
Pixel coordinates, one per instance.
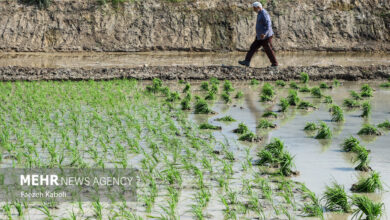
(350, 73)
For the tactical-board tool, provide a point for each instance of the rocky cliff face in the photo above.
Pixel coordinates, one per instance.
(199, 25)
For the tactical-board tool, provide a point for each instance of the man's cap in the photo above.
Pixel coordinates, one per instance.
(257, 5)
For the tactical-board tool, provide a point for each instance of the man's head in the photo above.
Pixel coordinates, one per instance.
(257, 6)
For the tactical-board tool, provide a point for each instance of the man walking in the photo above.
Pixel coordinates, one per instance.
(263, 38)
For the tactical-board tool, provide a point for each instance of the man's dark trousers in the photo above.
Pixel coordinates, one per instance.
(267, 45)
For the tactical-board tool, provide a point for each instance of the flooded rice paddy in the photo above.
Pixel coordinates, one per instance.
(115, 123)
(85, 60)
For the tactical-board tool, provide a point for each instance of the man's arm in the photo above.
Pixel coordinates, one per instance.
(267, 24)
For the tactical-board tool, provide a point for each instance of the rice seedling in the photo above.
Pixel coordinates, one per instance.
(214, 81)
(265, 124)
(362, 157)
(226, 97)
(286, 164)
(205, 86)
(250, 137)
(328, 99)
(316, 92)
(269, 114)
(185, 103)
(209, 126)
(366, 209)
(187, 88)
(294, 85)
(324, 86)
(201, 107)
(305, 88)
(7, 210)
(336, 83)
(312, 208)
(385, 85)
(355, 95)
(337, 113)
(310, 126)
(385, 124)
(239, 95)
(304, 77)
(242, 129)
(284, 104)
(280, 83)
(306, 105)
(336, 199)
(369, 184)
(46, 211)
(368, 129)
(292, 97)
(366, 91)
(350, 103)
(227, 86)
(173, 96)
(254, 82)
(366, 109)
(350, 144)
(267, 93)
(324, 131)
(156, 86)
(227, 118)
(211, 95)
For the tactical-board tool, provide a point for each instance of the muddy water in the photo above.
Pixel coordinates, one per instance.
(186, 58)
(319, 163)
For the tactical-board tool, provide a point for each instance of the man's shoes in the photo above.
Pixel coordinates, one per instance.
(274, 66)
(244, 63)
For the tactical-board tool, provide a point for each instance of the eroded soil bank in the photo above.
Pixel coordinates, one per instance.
(352, 73)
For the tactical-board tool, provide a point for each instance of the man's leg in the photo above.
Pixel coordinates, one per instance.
(267, 44)
(254, 47)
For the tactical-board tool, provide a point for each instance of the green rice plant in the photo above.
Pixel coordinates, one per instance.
(19, 208)
(286, 164)
(270, 114)
(350, 144)
(227, 86)
(366, 209)
(205, 86)
(292, 97)
(355, 95)
(362, 157)
(328, 99)
(336, 199)
(187, 88)
(310, 126)
(304, 88)
(304, 77)
(305, 105)
(249, 136)
(214, 81)
(385, 124)
(254, 82)
(366, 91)
(265, 124)
(385, 85)
(227, 118)
(284, 104)
(226, 97)
(336, 83)
(211, 95)
(214, 88)
(369, 184)
(337, 113)
(316, 92)
(173, 96)
(7, 210)
(182, 81)
(46, 211)
(201, 107)
(242, 129)
(209, 126)
(368, 129)
(276, 147)
(239, 95)
(366, 109)
(294, 85)
(280, 83)
(267, 93)
(312, 208)
(185, 103)
(155, 87)
(266, 157)
(324, 86)
(350, 103)
(324, 131)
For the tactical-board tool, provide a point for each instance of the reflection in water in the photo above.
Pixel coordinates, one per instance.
(102, 59)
